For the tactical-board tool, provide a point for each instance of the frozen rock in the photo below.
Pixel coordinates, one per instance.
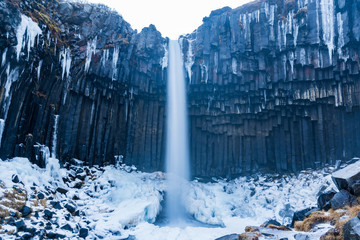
(342, 199)
(229, 237)
(84, 232)
(346, 177)
(351, 230)
(323, 201)
(25, 211)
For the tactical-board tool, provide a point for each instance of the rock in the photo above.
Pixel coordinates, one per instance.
(272, 222)
(355, 188)
(56, 205)
(25, 211)
(53, 235)
(347, 176)
(61, 190)
(48, 226)
(41, 195)
(48, 214)
(351, 230)
(26, 236)
(229, 237)
(36, 215)
(71, 208)
(323, 200)
(15, 178)
(84, 232)
(20, 225)
(342, 199)
(302, 214)
(67, 227)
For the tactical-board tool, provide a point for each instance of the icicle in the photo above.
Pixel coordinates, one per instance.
(3, 59)
(90, 51)
(302, 56)
(341, 40)
(327, 14)
(114, 63)
(165, 59)
(65, 58)
(39, 69)
(105, 57)
(31, 29)
(234, 66)
(55, 132)
(190, 59)
(92, 112)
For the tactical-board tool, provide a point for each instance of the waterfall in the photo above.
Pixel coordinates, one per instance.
(177, 150)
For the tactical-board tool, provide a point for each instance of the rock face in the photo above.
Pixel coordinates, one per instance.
(76, 78)
(274, 85)
(271, 85)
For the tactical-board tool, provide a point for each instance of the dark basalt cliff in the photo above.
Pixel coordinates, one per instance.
(76, 78)
(274, 85)
(271, 85)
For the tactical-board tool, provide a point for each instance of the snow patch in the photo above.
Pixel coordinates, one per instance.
(164, 61)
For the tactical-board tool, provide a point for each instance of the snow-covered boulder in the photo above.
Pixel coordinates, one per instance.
(347, 177)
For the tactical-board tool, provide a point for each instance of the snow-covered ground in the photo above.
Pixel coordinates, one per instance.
(118, 202)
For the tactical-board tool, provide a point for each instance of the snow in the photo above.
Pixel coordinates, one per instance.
(90, 51)
(123, 201)
(26, 33)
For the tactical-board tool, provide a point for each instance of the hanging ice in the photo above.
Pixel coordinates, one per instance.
(12, 76)
(327, 14)
(105, 57)
(165, 59)
(26, 33)
(3, 59)
(90, 51)
(39, 69)
(54, 140)
(190, 59)
(114, 63)
(65, 58)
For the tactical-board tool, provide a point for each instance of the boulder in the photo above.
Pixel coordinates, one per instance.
(61, 190)
(15, 178)
(351, 230)
(48, 214)
(71, 208)
(67, 227)
(84, 232)
(301, 236)
(346, 177)
(271, 222)
(25, 211)
(342, 199)
(323, 200)
(56, 205)
(302, 214)
(41, 195)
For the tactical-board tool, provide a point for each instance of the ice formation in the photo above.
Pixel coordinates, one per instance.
(90, 51)
(26, 34)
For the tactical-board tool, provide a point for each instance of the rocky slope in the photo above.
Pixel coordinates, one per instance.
(274, 85)
(76, 78)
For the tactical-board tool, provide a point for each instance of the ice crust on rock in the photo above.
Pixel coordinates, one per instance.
(26, 34)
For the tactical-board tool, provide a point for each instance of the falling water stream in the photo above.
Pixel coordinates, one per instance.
(177, 150)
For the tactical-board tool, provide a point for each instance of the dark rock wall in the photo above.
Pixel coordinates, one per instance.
(84, 63)
(274, 85)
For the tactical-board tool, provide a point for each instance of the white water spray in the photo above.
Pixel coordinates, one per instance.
(177, 150)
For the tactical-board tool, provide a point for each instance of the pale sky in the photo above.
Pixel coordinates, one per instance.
(171, 17)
